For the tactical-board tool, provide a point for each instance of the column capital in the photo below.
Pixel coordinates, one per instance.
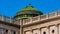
(47, 26)
(39, 28)
(56, 25)
(31, 30)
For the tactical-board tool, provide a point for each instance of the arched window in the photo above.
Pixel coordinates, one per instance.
(52, 31)
(44, 32)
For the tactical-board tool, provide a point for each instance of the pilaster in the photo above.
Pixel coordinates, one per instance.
(57, 28)
(10, 20)
(31, 31)
(2, 18)
(16, 32)
(21, 28)
(2, 31)
(48, 27)
(9, 31)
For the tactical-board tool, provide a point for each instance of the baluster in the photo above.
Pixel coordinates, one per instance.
(47, 16)
(2, 18)
(10, 20)
(38, 18)
(56, 13)
(31, 20)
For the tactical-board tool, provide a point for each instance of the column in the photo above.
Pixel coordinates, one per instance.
(31, 31)
(31, 20)
(10, 20)
(2, 31)
(9, 31)
(57, 29)
(16, 32)
(40, 30)
(21, 28)
(39, 18)
(2, 18)
(23, 32)
(48, 27)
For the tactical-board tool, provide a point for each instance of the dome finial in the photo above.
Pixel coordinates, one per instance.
(29, 4)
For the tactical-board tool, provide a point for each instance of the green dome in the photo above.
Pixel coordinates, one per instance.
(29, 11)
(29, 7)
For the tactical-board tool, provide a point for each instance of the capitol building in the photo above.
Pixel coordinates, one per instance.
(30, 20)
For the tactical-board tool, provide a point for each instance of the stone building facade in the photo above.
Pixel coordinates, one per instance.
(8, 25)
(41, 24)
(44, 24)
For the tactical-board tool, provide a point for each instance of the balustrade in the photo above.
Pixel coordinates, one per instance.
(8, 19)
(51, 14)
(42, 17)
(58, 13)
(35, 18)
(30, 20)
(25, 21)
(0, 17)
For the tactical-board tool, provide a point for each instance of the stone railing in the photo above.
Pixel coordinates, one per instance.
(41, 17)
(30, 20)
(8, 20)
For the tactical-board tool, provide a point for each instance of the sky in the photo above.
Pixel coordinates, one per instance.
(11, 7)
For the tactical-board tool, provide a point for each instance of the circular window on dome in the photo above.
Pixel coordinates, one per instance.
(53, 31)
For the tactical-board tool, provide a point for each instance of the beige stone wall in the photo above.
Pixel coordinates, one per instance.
(44, 30)
(47, 27)
(53, 28)
(10, 29)
(28, 32)
(41, 25)
(36, 31)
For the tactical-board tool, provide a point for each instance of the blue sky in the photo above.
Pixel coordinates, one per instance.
(11, 7)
